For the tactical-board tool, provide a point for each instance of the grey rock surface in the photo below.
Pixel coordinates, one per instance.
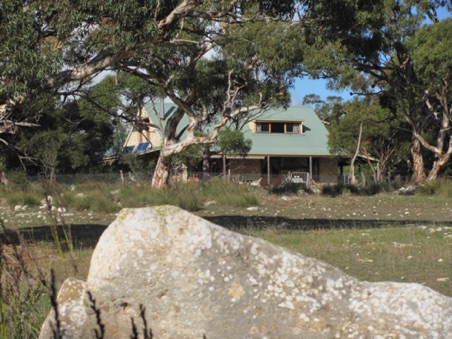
(193, 278)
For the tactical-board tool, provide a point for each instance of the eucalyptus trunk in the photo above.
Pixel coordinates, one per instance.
(418, 162)
(437, 165)
(161, 172)
(205, 164)
(352, 162)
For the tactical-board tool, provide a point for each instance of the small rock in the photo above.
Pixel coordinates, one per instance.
(253, 208)
(209, 203)
(18, 208)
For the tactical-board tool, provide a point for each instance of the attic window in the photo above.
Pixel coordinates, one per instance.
(279, 127)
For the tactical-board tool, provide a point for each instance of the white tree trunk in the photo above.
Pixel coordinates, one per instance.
(352, 162)
(161, 172)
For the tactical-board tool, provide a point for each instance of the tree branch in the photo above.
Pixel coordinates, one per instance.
(99, 63)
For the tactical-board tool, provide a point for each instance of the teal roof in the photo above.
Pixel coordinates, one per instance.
(154, 111)
(312, 142)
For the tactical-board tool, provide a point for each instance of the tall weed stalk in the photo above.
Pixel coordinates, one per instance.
(22, 289)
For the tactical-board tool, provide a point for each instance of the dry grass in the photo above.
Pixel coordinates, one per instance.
(348, 232)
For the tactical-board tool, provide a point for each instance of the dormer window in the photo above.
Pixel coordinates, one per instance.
(279, 127)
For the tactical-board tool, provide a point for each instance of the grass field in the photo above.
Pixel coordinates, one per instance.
(374, 238)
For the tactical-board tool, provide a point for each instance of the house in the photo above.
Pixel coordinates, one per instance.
(287, 145)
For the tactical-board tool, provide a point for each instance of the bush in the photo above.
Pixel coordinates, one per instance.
(372, 189)
(441, 186)
(30, 199)
(339, 189)
(288, 188)
(18, 180)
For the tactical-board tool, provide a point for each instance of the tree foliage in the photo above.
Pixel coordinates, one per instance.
(218, 60)
(382, 139)
(325, 110)
(209, 57)
(383, 49)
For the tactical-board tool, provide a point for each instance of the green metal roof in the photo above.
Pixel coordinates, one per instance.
(313, 141)
(154, 111)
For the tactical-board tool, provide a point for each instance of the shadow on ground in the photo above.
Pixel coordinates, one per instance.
(262, 222)
(86, 235)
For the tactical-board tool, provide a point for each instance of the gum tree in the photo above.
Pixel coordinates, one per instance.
(400, 49)
(381, 141)
(216, 60)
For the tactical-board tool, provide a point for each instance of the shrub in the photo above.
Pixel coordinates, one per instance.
(332, 190)
(30, 199)
(430, 187)
(339, 189)
(18, 180)
(371, 189)
(288, 188)
(441, 186)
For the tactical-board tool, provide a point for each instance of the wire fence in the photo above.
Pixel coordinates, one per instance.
(254, 179)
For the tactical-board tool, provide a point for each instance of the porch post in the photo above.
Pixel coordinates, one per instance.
(268, 171)
(310, 171)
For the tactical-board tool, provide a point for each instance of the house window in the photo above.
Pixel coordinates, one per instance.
(279, 127)
(263, 127)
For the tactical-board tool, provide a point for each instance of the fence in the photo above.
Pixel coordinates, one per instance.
(179, 176)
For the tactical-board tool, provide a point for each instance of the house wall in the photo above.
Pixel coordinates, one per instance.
(328, 170)
(245, 166)
(139, 137)
(155, 138)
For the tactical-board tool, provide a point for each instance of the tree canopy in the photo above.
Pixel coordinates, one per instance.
(395, 49)
(219, 60)
(214, 59)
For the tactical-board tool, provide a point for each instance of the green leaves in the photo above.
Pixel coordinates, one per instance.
(431, 53)
(233, 142)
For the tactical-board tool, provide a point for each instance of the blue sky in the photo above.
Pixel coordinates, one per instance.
(307, 86)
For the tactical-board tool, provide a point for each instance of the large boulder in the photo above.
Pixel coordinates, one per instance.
(166, 270)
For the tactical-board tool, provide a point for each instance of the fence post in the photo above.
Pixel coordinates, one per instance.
(122, 177)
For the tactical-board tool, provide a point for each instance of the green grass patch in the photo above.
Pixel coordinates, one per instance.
(97, 201)
(230, 194)
(31, 199)
(184, 195)
(404, 254)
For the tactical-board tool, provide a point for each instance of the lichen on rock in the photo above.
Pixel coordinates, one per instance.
(196, 278)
